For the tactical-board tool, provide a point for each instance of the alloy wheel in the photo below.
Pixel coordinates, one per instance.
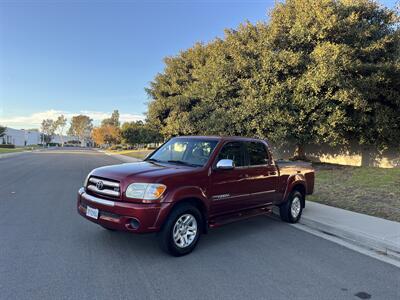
(185, 231)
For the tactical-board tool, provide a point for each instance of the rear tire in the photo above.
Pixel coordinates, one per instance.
(181, 231)
(291, 210)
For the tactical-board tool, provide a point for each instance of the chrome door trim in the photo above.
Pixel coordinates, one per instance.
(218, 198)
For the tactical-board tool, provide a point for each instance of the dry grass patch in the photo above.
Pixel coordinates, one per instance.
(372, 191)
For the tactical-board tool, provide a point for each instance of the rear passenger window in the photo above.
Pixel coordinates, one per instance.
(232, 151)
(258, 154)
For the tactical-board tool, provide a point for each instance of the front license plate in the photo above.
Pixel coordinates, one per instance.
(92, 212)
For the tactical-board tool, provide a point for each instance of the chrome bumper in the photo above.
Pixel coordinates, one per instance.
(93, 199)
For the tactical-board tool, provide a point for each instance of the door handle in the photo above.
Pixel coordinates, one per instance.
(272, 173)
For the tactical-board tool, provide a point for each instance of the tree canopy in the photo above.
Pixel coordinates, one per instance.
(320, 71)
(109, 132)
(113, 120)
(139, 133)
(81, 126)
(59, 125)
(106, 134)
(2, 130)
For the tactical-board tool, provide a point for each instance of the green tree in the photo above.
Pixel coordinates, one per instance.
(2, 133)
(81, 126)
(48, 127)
(139, 133)
(320, 71)
(113, 121)
(338, 74)
(2, 130)
(59, 125)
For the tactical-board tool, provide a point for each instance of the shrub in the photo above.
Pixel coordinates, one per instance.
(7, 146)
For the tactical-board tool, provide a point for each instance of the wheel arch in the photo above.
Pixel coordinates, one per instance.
(296, 183)
(196, 202)
(300, 187)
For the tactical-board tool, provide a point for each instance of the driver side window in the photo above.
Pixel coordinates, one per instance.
(233, 151)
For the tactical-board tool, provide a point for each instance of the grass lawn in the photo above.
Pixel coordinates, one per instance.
(140, 154)
(372, 191)
(11, 150)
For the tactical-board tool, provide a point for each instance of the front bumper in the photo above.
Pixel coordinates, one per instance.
(119, 215)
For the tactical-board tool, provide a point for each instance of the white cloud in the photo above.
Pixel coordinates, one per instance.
(34, 120)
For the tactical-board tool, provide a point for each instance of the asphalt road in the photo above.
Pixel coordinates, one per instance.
(47, 251)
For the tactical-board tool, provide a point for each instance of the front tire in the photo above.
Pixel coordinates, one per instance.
(291, 210)
(181, 231)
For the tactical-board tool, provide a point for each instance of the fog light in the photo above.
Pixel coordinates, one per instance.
(134, 223)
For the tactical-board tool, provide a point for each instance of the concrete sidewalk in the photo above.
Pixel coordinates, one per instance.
(367, 231)
(11, 154)
(5, 155)
(122, 158)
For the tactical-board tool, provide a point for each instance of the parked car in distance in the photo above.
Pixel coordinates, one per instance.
(191, 184)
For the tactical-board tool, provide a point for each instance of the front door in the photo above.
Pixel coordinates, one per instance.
(228, 191)
(261, 175)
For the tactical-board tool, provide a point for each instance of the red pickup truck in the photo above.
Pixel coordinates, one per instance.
(191, 184)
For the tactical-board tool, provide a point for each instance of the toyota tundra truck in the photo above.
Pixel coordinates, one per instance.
(191, 184)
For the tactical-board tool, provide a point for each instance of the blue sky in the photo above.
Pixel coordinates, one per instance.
(94, 56)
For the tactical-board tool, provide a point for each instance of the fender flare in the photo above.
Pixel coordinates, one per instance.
(293, 181)
(179, 195)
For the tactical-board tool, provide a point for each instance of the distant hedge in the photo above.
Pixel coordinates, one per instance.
(7, 146)
(54, 144)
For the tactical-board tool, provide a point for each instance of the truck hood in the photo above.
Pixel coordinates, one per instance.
(145, 170)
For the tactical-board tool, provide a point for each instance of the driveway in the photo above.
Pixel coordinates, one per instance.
(48, 251)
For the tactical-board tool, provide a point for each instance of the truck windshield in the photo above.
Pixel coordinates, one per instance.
(185, 151)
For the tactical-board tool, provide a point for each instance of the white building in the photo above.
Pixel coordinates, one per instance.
(20, 137)
(65, 138)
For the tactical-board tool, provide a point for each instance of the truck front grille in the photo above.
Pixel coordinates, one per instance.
(104, 187)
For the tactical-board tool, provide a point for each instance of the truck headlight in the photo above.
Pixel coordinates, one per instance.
(145, 191)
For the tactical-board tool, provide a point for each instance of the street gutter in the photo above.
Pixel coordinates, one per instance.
(380, 235)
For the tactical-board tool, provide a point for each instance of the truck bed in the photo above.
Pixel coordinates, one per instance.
(297, 168)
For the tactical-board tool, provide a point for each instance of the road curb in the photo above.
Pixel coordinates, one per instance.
(359, 238)
(333, 225)
(5, 155)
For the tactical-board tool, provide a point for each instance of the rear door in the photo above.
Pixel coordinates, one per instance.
(228, 188)
(261, 175)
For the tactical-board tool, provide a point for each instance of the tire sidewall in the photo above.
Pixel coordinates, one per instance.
(167, 233)
(292, 196)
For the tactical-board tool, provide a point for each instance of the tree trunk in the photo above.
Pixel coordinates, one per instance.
(62, 140)
(299, 152)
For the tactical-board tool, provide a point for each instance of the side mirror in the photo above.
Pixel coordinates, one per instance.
(225, 164)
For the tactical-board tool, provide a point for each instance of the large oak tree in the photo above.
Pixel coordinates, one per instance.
(319, 71)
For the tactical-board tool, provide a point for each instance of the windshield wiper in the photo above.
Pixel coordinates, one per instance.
(153, 159)
(184, 163)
